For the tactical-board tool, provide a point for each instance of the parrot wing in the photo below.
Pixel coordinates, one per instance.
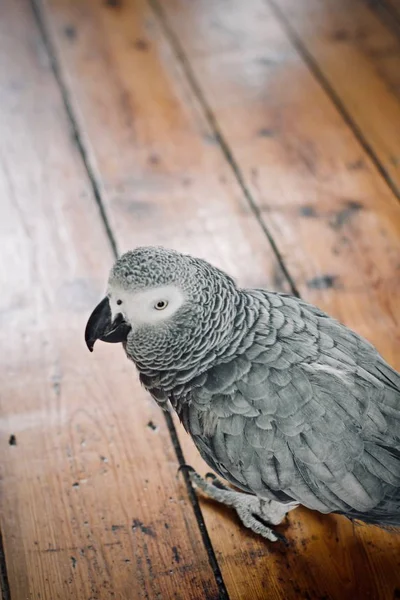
(309, 412)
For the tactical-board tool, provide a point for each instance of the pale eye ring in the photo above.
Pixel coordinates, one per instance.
(161, 305)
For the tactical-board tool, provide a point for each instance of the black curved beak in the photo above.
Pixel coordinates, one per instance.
(100, 326)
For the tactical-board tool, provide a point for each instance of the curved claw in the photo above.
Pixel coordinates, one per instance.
(280, 537)
(186, 468)
(215, 481)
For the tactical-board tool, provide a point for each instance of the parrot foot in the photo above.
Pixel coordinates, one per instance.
(257, 514)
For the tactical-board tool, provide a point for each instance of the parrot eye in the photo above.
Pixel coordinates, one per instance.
(161, 304)
(119, 302)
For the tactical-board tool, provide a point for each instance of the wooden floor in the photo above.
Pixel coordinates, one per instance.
(263, 135)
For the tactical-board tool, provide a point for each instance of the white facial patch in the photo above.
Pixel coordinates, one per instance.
(146, 307)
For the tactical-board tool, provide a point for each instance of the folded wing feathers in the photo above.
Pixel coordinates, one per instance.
(312, 403)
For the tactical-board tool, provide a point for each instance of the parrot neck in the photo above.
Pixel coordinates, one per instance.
(176, 378)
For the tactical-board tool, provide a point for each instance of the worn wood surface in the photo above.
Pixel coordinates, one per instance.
(317, 191)
(149, 91)
(358, 58)
(394, 8)
(90, 503)
(347, 47)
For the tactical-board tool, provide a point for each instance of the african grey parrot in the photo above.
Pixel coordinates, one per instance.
(280, 399)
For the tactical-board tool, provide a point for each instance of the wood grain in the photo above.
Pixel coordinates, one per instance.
(164, 180)
(188, 198)
(330, 213)
(90, 503)
(319, 194)
(350, 49)
(393, 5)
(359, 58)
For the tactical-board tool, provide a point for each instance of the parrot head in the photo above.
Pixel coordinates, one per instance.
(160, 304)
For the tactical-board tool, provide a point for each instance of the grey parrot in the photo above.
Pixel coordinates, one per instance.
(281, 400)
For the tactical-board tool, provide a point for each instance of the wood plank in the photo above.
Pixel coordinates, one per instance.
(356, 54)
(156, 158)
(393, 5)
(164, 179)
(186, 198)
(332, 216)
(360, 59)
(388, 11)
(90, 503)
(320, 195)
(348, 27)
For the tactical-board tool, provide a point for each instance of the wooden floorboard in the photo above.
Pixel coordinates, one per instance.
(322, 198)
(164, 147)
(388, 13)
(358, 58)
(318, 192)
(393, 6)
(88, 511)
(203, 129)
(165, 181)
(347, 46)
